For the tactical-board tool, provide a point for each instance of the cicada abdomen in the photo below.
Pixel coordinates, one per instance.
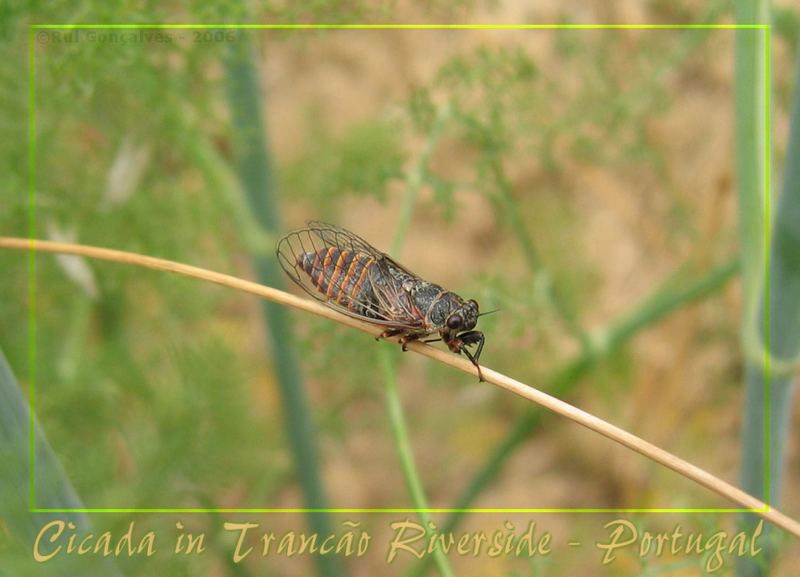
(341, 275)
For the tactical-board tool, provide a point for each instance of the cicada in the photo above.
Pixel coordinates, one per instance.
(348, 274)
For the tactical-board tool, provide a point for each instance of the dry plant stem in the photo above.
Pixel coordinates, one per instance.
(553, 404)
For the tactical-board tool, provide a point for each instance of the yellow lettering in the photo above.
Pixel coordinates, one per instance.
(326, 547)
(754, 549)
(478, 539)
(544, 544)
(661, 539)
(400, 542)
(462, 547)
(104, 543)
(148, 543)
(242, 528)
(86, 544)
(37, 554)
(675, 545)
(717, 543)
(616, 541)
(286, 544)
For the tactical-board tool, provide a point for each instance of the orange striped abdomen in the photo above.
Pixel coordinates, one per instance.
(341, 276)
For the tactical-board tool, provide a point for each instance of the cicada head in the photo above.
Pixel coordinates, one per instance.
(464, 318)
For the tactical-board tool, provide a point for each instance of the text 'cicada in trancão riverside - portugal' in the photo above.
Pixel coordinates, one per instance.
(345, 272)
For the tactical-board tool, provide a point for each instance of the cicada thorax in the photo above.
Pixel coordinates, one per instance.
(436, 304)
(341, 275)
(439, 305)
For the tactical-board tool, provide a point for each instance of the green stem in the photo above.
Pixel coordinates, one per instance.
(664, 301)
(416, 177)
(751, 145)
(256, 175)
(751, 149)
(406, 455)
(394, 406)
(651, 310)
(219, 177)
(768, 393)
(567, 122)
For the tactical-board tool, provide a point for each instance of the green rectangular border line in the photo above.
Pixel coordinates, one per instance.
(32, 508)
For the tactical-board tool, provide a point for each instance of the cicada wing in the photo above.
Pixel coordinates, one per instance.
(290, 247)
(334, 235)
(387, 287)
(356, 262)
(390, 261)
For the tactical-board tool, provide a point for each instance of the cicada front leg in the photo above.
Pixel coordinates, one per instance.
(468, 339)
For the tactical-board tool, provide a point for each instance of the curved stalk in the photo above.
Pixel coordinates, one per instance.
(523, 390)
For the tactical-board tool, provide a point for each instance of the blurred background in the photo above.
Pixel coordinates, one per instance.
(583, 182)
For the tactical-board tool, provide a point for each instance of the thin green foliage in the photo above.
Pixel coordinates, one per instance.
(389, 366)
(404, 450)
(752, 145)
(751, 141)
(774, 344)
(363, 162)
(255, 170)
